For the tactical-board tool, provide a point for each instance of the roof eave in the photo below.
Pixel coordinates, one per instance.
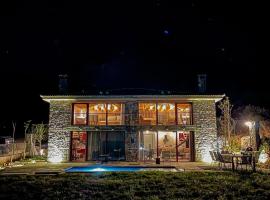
(48, 98)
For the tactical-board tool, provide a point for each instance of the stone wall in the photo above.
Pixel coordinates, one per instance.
(59, 138)
(131, 135)
(204, 117)
(131, 145)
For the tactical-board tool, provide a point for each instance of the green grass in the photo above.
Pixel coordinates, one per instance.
(138, 185)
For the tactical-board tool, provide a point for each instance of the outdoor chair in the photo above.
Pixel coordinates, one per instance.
(213, 157)
(224, 159)
(245, 159)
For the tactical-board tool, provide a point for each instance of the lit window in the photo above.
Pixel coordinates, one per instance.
(80, 113)
(97, 114)
(147, 112)
(166, 114)
(184, 114)
(114, 114)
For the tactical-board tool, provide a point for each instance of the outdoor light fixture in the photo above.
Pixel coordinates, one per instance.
(55, 157)
(206, 157)
(249, 124)
(98, 169)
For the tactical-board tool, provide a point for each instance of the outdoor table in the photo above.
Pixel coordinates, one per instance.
(236, 158)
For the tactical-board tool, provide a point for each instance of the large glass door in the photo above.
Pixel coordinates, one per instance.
(106, 144)
(167, 145)
(183, 146)
(148, 146)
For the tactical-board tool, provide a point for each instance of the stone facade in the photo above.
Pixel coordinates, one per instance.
(59, 137)
(204, 117)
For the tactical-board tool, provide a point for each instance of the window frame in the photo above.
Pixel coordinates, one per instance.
(106, 113)
(176, 103)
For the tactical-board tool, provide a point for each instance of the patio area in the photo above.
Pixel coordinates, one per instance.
(50, 168)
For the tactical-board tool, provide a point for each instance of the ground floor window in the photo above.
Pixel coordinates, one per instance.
(98, 145)
(78, 146)
(167, 145)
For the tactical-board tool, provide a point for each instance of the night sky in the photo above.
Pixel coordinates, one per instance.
(108, 45)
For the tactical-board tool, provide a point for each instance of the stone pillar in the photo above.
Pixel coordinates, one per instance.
(59, 138)
(131, 113)
(204, 118)
(131, 135)
(131, 145)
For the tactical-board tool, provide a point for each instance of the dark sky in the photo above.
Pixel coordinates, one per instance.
(154, 44)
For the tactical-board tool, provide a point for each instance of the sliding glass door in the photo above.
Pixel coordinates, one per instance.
(166, 145)
(108, 144)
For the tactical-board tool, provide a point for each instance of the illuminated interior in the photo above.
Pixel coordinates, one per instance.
(98, 114)
(80, 113)
(115, 114)
(147, 112)
(164, 114)
(167, 145)
(184, 114)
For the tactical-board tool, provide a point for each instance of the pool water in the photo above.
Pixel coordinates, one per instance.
(102, 168)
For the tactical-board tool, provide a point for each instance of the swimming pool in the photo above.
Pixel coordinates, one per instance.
(102, 168)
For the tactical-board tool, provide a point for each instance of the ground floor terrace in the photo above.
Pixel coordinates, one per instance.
(146, 146)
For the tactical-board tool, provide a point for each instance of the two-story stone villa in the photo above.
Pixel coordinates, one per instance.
(132, 127)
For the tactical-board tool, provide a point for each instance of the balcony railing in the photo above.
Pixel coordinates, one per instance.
(103, 119)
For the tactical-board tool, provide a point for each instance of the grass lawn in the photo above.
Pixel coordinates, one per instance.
(138, 185)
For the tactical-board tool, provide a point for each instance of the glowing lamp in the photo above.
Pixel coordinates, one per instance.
(249, 124)
(263, 157)
(206, 157)
(98, 169)
(55, 159)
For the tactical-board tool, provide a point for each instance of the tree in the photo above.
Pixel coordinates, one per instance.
(226, 123)
(251, 113)
(13, 139)
(26, 128)
(40, 132)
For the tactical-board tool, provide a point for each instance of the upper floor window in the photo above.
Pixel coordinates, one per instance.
(184, 114)
(80, 114)
(147, 113)
(164, 114)
(98, 114)
(115, 116)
